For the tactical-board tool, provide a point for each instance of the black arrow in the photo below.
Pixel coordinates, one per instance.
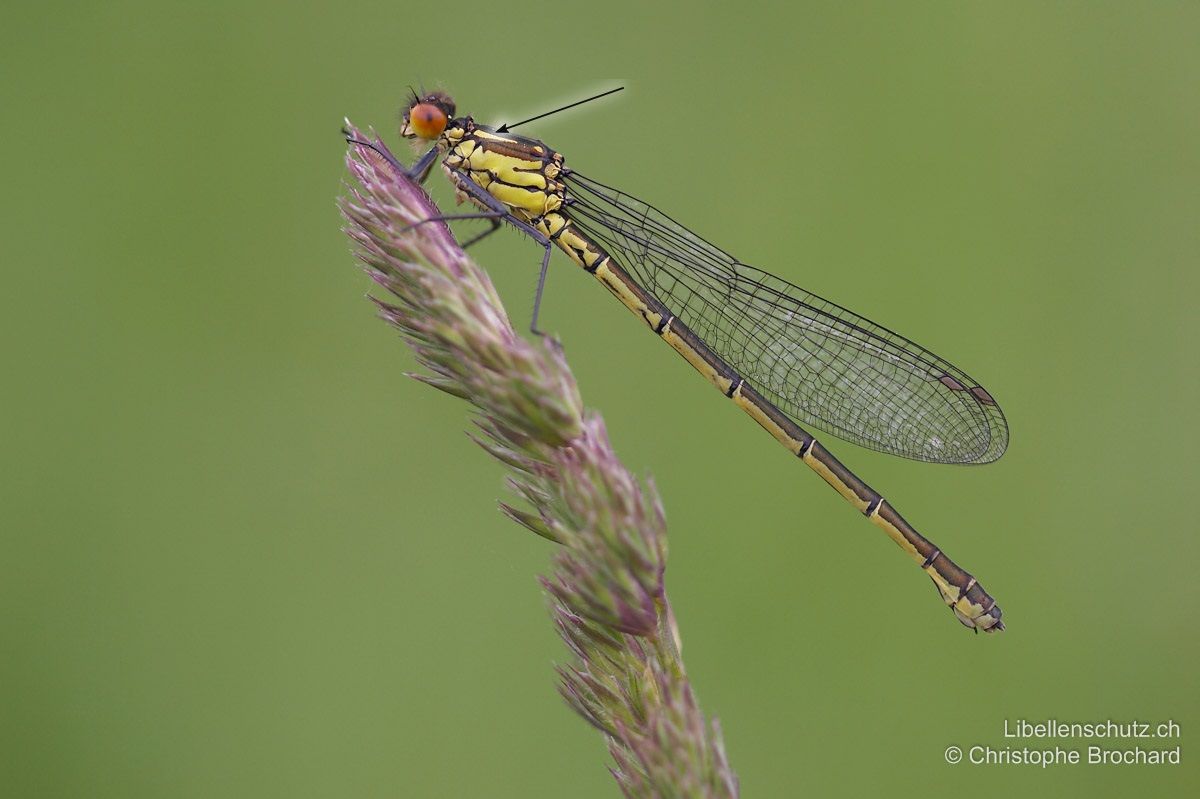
(504, 128)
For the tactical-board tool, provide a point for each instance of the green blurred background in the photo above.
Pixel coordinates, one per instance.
(243, 555)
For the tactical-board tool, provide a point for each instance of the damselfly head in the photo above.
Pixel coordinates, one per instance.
(426, 116)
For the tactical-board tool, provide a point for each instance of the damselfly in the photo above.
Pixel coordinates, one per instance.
(780, 353)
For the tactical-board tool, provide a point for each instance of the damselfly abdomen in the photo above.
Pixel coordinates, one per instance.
(782, 354)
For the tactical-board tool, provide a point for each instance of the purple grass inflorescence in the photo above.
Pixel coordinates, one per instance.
(606, 592)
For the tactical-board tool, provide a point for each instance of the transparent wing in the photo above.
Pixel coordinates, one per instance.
(817, 361)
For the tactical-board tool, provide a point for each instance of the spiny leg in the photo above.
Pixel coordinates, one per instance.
(484, 197)
(497, 209)
(537, 297)
(495, 226)
(495, 216)
(419, 170)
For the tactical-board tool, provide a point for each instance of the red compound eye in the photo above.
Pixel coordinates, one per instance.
(427, 120)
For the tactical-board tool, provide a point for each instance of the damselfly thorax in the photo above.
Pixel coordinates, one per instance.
(522, 173)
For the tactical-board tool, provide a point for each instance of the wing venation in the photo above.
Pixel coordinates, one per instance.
(817, 361)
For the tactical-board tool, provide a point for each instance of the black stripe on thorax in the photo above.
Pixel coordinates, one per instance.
(495, 179)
